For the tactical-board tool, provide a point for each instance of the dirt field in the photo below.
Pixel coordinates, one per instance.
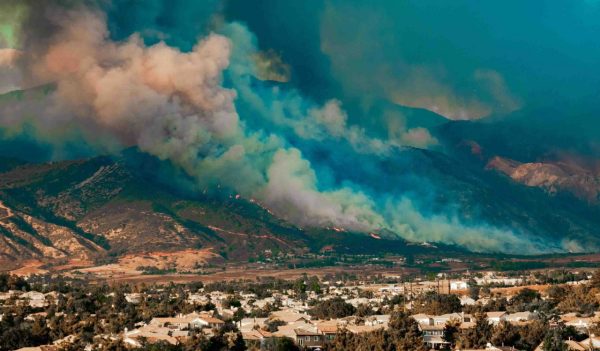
(207, 266)
(127, 266)
(231, 273)
(127, 269)
(516, 289)
(29, 268)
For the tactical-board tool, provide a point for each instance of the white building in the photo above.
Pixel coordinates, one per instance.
(519, 317)
(467, 301)
(34, 298)
(133, 298)
(458, 285)
(496, 317)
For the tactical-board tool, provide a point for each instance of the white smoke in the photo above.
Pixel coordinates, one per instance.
(10, 77)
(173, 105)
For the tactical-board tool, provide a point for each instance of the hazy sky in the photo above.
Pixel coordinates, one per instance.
(281, 100)
(461, 59)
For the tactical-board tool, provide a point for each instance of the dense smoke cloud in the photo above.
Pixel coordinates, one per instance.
(9, 74)
(432, 55)
(172, 105)
(10, 17)
(208, 111)
(347, 37)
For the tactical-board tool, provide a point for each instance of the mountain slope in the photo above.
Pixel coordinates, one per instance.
(530, 187)
(100, 207)
(110, 206)
(551, 176)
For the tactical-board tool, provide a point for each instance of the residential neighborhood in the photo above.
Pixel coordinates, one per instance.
(486, 311)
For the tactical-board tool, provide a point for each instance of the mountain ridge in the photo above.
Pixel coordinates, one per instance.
(97, 208)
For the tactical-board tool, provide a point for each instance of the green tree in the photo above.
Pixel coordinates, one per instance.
(478, 336)
(404, 332)
(13, 282)
(531, 335)
(332, 308)
(451, 332)
(474, 292)
(525, 296)
(556, 293)
(437, 304)
(364, 310)
(281, 344)
(273, 324)
(554, 341)
(505, 334)
(239, 314)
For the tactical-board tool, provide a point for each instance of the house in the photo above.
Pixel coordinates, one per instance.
(496, 317)
(458, 285)
(209, 321)
(573, 345)
(34, 298)
(289, 316)
(133, 298)
(256, 334)
(432, 327)
(378, 319)
(186, 322)
(170, 322)
(433, 336)
(176, 333)
(423, 318)
(247, 324)
(491, 278)
(198, 299)
(288, 329)
(360, 329)
(150, 334)
(309, 339)
(467, 301)
(261, 303)
(580, 323)
(519, 317)
(392, 289)
(330, 328)
(445, 318)
(256, 337)
(358, 301)
(593, 341)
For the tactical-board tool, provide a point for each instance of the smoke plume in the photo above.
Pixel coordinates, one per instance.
(209, 111)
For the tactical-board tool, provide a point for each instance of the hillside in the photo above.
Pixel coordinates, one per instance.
(102, 208)
(109, 207)
(551, 176)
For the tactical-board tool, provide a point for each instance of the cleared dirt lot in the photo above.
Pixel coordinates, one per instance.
(231, 273)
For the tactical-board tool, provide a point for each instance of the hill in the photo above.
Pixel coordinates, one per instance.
(105, 207)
